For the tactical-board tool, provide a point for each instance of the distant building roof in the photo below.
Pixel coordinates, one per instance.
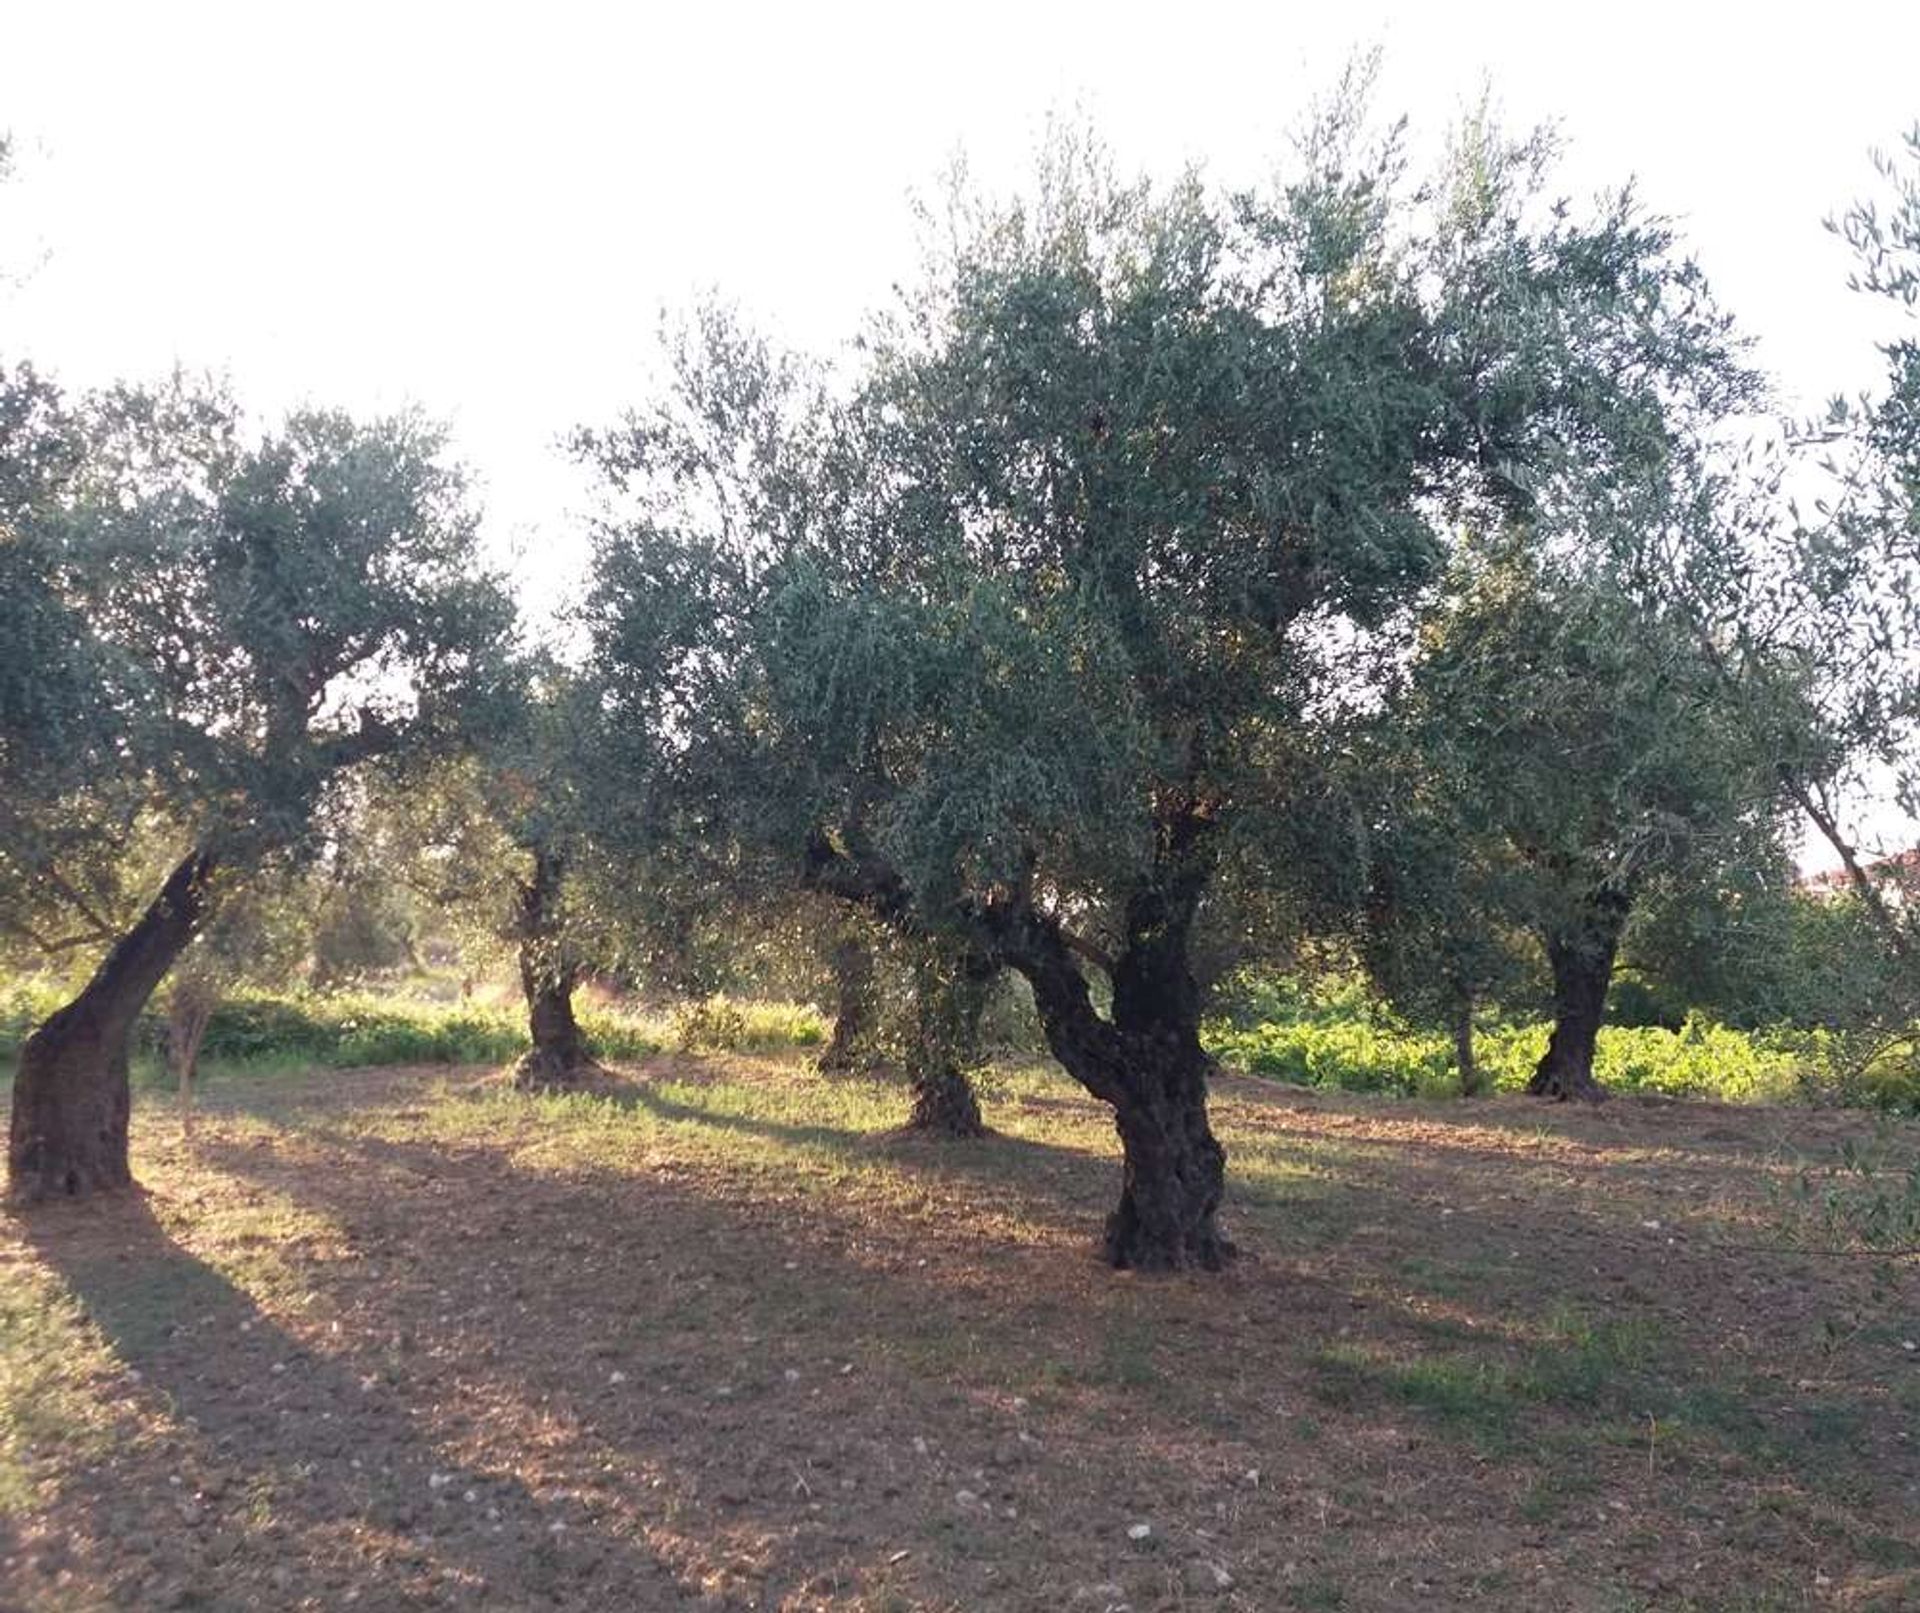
(1902, 870)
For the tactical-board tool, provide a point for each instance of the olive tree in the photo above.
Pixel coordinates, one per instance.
(1804, 595)
(1011, 629)
(1588, 763)
(518, 862)
(263, 612)
(1440, 925)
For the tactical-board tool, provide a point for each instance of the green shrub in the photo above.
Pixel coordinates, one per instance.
(1353, 1046)
(349, 1029)
(615, 1035)
(24, 1002)
(1357, 1056)
(729, 1024)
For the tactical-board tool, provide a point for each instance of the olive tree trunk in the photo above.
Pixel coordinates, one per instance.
(560, 1057)
(71, 1101)
(1581, 956)
(851, 1045)
(1472, 1081)
(950, 995)
(1147, 1061)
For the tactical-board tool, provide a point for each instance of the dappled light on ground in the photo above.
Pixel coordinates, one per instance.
(718, 1338)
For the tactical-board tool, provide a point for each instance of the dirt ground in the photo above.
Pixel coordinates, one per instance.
(401, 1339)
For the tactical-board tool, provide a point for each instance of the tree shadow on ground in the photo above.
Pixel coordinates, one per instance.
(999, 1155)
(259, 1469)
(761, 1367)
(711, 1284)
(691, 1358)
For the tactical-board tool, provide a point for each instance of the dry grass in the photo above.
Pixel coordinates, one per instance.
(398, 1339)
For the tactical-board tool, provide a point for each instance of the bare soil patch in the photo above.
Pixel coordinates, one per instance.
(397, 1339)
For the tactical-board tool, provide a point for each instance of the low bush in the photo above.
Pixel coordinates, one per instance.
(1354, 1046)
(731, 1024)
(345, 1030)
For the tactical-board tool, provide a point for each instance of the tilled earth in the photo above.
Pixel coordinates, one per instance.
(714, 1339)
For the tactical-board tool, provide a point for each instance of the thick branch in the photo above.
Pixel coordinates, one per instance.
(374, 736)
(1092, 951)
(857, 875)
(1862, 882)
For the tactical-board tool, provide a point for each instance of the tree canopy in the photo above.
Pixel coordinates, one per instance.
(247, 616)
(1020, 627)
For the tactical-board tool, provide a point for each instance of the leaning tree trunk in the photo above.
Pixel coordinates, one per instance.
(1581, 957)
(560, 1057)
(850, 1046)
(950, 995)
(70, 1098)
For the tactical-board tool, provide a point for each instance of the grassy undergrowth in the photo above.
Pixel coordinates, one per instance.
(1332, 1037)
(259, 1031)
(1339, 1039)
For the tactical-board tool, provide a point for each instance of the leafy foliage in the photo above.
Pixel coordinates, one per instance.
(1062, 568)
(248, 618)
(1340, 1040)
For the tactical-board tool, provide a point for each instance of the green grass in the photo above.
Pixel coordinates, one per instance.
(1338, 1039)
(1585, 1383)
(264, 1033)
(1595, 1367)
(48, 1355)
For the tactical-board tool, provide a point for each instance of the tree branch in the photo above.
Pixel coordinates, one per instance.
(101, 928)
(1092, 951)
(1862, 882)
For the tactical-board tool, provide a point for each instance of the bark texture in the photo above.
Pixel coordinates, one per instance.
(1146, 1060)
(851, 1045)
(1581, 956)
(1472, 1084)
(560, 1057)
(944, 1103)
(950, 995)
(68, 1136)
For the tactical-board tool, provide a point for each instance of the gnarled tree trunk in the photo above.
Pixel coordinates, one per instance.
(560, 1057)
(1146, 1061)
(944, 1102)
(851, 1045)
(950, 994)
(71, 1101)
(1173, 1172)
(1581, 956)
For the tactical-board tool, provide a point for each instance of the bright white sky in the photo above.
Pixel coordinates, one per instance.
(484, 210)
